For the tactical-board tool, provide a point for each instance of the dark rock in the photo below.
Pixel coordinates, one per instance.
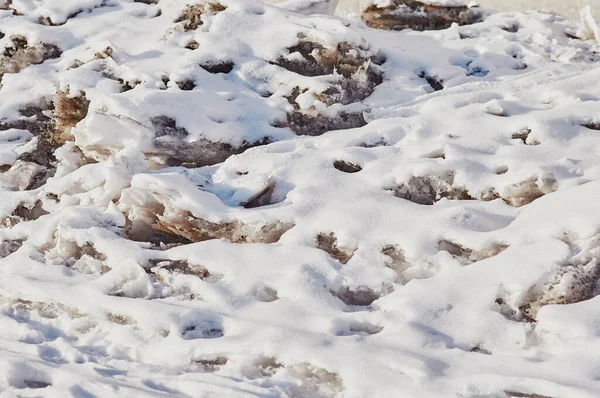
(413, 14)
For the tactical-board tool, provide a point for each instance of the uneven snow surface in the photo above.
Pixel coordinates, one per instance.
(447, 246)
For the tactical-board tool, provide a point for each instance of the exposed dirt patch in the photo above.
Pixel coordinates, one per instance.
(48, 310)
(186, 85)
(316, 382)
(480, 350)
(523, 193)
(51, 123)
(516, 394)
(501, 170)
(173, 150)
(328, 243)
(120, 319)
(428, 190)
(213, 364)
(266, 294)
(127, 85)
(35, 118)
(347, 167)
(592, 126)
(572, 283)
(203, 330)
(218, 67)
(25, 211)
(20, 54)
(192, 15)
(360, 329)
(160, 240)
(360, 296)
(151, 224)
(192, 45)
(413, 14)
(42, 155)
(355, 76)
(179, 267)
(193, 154)
(165, 126)
(267, 366)
(511, 28)
(8, 247)
(468, 256)
(309, 58)
(523, 135)
(68, 111)
(198, 230)
(314, 124)
(36, 384)
(30, 211)
(435, 82)
(84, 258)
(263, 198)
(22, 175)
(397, 261)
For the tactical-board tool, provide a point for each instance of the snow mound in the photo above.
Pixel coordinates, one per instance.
(229, 198)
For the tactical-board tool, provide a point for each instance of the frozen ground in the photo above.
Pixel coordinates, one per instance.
(568, 8)
(192, 207)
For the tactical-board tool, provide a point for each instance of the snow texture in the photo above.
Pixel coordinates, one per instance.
(234, 199)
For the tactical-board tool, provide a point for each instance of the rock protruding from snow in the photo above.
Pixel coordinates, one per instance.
(417, 15)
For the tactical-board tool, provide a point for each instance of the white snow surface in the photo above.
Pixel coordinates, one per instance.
(268, 321)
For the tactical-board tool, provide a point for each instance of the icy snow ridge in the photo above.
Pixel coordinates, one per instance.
(232, 199)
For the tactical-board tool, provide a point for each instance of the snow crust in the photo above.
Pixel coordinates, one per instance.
(363, 290)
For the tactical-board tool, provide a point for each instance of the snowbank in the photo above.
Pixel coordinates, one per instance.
(233, 199)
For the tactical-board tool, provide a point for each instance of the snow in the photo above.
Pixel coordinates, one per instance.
(446, 247)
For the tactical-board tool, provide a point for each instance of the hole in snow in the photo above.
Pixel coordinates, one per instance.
(203, 330)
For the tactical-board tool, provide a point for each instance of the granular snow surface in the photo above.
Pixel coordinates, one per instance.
(187, 235)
